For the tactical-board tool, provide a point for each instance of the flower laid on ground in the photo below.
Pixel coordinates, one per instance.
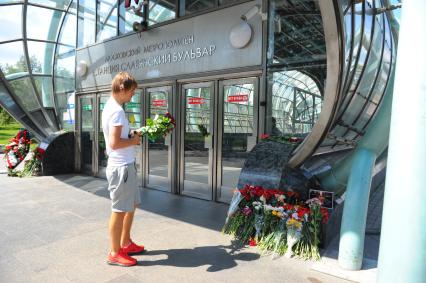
(17, 149)
(158, 127)
(281, 139)
(279, 221)
(32, 166)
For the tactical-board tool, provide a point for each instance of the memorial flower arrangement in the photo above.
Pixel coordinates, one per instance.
(277, 221)
(17, 149)
(281, 139)
(158, 127)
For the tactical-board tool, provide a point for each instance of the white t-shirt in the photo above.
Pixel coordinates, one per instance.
(113, 115)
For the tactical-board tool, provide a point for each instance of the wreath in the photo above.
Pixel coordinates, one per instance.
(17, 149)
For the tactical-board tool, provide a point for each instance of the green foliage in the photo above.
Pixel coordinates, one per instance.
(5, 118)
(8, 131)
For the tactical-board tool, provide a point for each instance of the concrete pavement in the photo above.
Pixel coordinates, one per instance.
(54, 229)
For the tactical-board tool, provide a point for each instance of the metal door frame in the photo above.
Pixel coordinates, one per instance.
(220, 120)
(79, 124)
(99, 171)
(182, 116)
(170, 139)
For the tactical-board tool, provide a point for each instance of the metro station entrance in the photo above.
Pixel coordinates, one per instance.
(218, 127)
(217, 123)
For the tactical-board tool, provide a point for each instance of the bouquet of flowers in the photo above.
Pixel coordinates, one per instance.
(277, 221)
(32, 166)
(17, 149)
(158, 127)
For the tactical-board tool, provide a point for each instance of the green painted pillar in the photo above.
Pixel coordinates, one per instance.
(402, 254)
(352, 231)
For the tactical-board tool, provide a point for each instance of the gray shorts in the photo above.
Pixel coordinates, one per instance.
(123, 187)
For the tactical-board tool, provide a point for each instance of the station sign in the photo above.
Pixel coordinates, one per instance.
(185, 47)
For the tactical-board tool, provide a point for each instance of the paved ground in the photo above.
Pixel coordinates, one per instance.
(54, 229)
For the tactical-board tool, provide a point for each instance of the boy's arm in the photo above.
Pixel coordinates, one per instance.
(116, 142)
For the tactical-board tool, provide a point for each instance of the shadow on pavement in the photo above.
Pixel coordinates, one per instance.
(217, 258)
(199, 212)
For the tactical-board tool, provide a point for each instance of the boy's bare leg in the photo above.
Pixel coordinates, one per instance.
(127, 226)
(115, 231)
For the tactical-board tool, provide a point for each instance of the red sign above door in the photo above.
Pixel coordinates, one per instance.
(238, 98)
(195, 100)
(159, 102)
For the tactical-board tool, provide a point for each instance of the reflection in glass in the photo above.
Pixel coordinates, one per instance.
(87, 131)
(48, 22)
(158, 151)
(195, 6)
(296, 103)
(68, 32)
(106, 19)
(14, 62)
(161, 11)
(237, 131)
(102, 156)
(25, 92)
(133, 114)
(197, 128)
(65, 65)
(66, 110)
(44, 88)
(86, 22)
(41, 54)
(58, 4)
(297, 65)
(12, 19)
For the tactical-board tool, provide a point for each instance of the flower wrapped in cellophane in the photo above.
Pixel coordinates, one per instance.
(277, 221)
(17, 149)
(158, 127)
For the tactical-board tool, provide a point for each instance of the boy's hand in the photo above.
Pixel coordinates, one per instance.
(136, 140)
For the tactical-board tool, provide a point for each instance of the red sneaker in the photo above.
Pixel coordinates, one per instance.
(121, 259)
(132, 248)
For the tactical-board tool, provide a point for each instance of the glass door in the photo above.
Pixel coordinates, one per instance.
(87, 133)
(196, 175)
(102, 155)
(133, 114)
(237, 131)
(158, 157)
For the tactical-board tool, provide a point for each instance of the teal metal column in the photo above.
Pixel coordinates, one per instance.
(402, 254)
(352, 231)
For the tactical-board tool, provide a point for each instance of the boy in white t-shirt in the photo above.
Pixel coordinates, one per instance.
(121, 171)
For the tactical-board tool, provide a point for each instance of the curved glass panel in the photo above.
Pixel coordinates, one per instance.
(65, 65)
(160, 11)
(11, 1)
(296, 67)
(59, 4)
(47, 23)
(86, 22)
(68, 32)
(126, 19)
(44, 88)
(12, 59)
(64, 84)
(66, 110)
(195, 6)
(41, 56)
(10, 18)
(107, 19)
(296, 103)
(25, 92)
